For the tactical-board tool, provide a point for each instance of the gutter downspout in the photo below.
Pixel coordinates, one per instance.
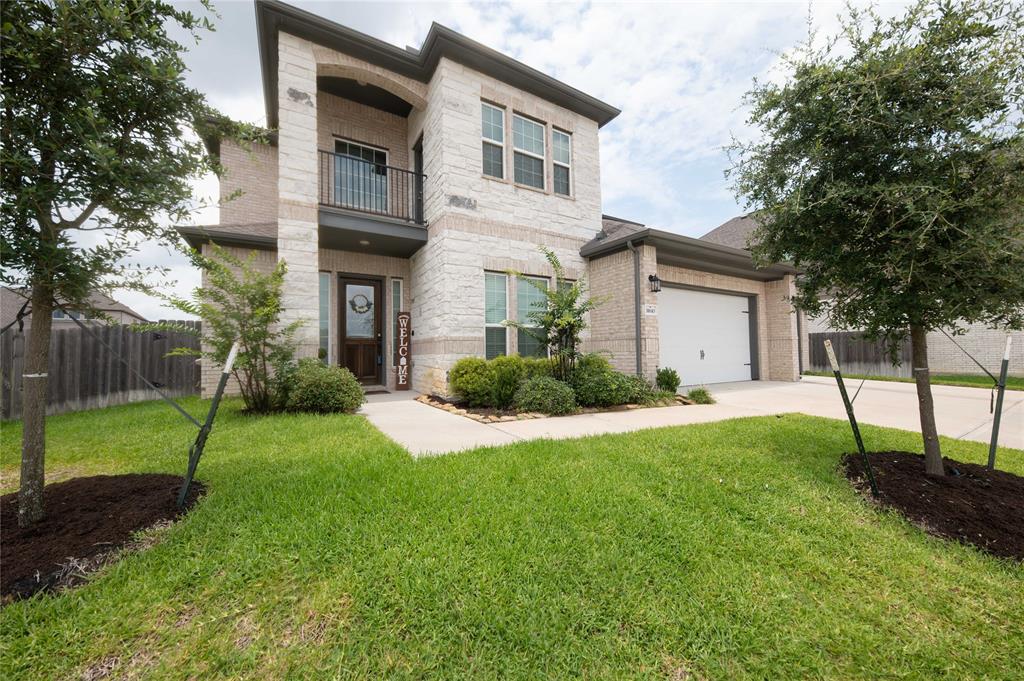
(636, 305)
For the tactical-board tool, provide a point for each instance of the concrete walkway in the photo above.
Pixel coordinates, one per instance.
(960, 413)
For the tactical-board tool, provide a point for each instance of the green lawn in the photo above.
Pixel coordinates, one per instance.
(963, 380)
(322, 550)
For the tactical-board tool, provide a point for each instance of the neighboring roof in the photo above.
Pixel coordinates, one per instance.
(261, 235)
(273, 16)
(684, 251)
(12, 300)
(612, 228)
(736, 232)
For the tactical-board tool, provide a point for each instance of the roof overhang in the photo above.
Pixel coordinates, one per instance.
(197, 236)
(683, 251)
(273, 16)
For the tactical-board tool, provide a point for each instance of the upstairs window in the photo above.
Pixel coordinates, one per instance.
(528, 148)
(561, 148)
(492, 121)
(360, 177)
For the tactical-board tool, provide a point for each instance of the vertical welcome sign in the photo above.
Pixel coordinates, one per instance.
(402, 351)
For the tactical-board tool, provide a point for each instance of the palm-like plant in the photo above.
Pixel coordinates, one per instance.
(560, 319)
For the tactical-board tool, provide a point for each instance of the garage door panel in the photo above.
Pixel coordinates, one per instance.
(704, 336)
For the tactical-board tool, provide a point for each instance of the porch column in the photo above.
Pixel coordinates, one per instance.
(297, 222)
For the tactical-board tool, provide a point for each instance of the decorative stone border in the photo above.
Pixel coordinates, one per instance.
(469, 413)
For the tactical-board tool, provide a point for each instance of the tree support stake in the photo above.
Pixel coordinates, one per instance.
(996, 417)
(853, 419)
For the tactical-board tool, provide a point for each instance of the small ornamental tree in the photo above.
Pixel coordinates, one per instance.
(891, 172)
(240, 303)
(99, 133)
(558, 324)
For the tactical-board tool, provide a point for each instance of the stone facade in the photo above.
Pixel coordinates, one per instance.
(475, 223)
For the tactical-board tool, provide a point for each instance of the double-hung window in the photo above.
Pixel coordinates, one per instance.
(492, 121)
(561, 147)
(530, 299)
(528, 151)
(495, 312)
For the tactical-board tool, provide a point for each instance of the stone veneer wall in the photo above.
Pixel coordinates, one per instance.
(252, 172)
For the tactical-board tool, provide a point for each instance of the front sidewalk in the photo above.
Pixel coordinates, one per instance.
(961, 413)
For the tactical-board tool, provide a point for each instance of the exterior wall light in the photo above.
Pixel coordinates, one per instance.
(655, 283)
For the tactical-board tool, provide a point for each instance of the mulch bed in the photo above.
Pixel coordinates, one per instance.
(87, 520)
(970, 504)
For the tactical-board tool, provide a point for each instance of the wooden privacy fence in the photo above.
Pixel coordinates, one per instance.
(84, 374)
(857, 355)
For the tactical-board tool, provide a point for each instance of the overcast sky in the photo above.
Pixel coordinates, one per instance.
(677, 70)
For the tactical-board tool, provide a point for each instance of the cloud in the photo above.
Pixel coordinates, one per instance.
(677, 70)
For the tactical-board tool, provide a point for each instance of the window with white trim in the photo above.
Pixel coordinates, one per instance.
(492, 126)
(325, 317)
(561, 152)
(528, 151)
(495, 312)
(530, 299)
(396, 307)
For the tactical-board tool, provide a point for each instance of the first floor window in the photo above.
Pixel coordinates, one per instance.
(530, 299)
(325, 316)
(396, 305)
(495, 312)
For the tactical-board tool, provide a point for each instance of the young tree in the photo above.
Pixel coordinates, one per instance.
(94, 138)
(891, 171)
(240, 303)
(559, 323)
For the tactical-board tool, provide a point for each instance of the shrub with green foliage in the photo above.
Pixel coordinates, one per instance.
(472, 380)
(596, 384)
(508, 373)
(668, 379)
(538, 366)
(316, 387)
(545, 395)
(639, 391)
(701, 396)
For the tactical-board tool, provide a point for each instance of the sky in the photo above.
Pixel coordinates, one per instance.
(678, 71)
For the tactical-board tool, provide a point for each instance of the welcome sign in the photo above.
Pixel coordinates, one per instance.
(402, 351)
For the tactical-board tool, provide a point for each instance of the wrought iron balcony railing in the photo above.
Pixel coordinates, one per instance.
(355, 184)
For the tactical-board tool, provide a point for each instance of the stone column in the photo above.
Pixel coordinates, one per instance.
(298, 182)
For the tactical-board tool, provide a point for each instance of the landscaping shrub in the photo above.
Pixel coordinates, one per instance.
(316, 387)
(546, 395)
(639, 390)
(701, 396)
(596, 384)
(668, 380)
(472, 380)
(508, 373)
(537, 366)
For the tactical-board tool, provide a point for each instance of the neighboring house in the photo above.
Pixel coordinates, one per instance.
(110, 311)
(412, 180)
(985, 344)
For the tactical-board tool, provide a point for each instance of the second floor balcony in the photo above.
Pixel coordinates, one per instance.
(350, 183)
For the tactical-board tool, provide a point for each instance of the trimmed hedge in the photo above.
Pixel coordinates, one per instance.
(668, 379)
(507, 374)
(472, 380)
(546, 395)
(316, 387)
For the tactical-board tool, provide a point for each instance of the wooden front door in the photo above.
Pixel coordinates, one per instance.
(362, 350)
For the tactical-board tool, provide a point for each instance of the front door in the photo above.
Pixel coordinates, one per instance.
(362, 352)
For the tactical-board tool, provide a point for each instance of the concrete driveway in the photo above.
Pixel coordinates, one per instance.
(959, 412)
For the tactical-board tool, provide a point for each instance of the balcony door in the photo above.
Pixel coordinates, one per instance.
(362, 350)
(361, 176)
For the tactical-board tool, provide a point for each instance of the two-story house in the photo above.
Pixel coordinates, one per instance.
(412, 180)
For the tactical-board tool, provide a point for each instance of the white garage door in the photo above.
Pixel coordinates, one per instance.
(704, 336)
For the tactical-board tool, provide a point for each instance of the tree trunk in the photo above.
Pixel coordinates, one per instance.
(34, 388)
(932, 453)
